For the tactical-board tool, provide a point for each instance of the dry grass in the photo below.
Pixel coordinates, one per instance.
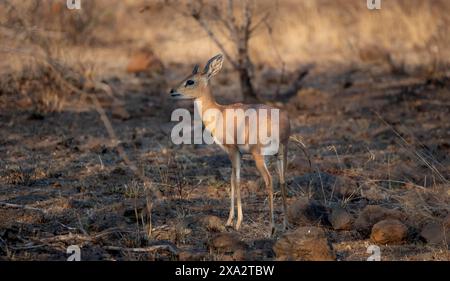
(87, 158)
(315, 30)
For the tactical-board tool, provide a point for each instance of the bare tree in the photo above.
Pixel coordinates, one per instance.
(236, 22)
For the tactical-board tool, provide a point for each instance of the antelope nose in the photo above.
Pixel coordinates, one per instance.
(172, 91)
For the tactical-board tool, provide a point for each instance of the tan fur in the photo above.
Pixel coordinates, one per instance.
(201, 92)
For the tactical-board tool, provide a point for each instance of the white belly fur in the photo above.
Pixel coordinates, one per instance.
(244, 148)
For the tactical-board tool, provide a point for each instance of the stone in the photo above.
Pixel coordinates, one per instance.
(304, 212)
(191, 256)
(144, 61)
(119, 112)
(436, 233)
(213, 223)
(340, 219)
(389, 231)
(372, 214)
(240, 255)
(226, 243)
(304, 244)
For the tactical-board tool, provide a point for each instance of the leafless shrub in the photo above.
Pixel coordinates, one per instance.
(36, 89)
(35, 83)
(237, 21)
(54, 20)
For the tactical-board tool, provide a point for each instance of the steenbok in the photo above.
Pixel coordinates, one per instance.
(238, 128)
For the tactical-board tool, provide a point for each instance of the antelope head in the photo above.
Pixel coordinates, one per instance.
(193, 86)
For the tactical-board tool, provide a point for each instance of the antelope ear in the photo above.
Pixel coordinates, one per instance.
(213, 66)
(195, 70)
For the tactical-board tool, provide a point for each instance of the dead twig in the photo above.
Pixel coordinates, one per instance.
(79, 237)
(153, 248)
(302, 146)
(24, 207)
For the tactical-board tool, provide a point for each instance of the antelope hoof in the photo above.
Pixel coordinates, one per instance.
(229, 222)
(238, 225)
(272, 231)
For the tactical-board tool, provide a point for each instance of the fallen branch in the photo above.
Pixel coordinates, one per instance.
(27, 247)
(67, 237)
(24, 207)
(80, 237)
(167, 247)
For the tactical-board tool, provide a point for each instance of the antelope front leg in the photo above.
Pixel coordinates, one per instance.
(231, 214)
(240, 216)
(235, 158)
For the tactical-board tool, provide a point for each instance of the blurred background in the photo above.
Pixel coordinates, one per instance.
(85, 150)
(404, 36)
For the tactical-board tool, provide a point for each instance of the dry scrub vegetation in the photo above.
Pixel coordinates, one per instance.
(85, 151)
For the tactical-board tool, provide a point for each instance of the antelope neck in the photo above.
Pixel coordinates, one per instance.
(206, 101)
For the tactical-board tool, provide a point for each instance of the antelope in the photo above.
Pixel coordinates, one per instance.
(197, 87)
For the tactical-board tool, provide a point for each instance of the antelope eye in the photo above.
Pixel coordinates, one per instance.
(189, 82)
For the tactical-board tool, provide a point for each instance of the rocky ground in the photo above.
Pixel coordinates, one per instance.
(378, 143)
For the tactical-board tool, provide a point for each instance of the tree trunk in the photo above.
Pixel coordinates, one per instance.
(245, 72)
(247, 89)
